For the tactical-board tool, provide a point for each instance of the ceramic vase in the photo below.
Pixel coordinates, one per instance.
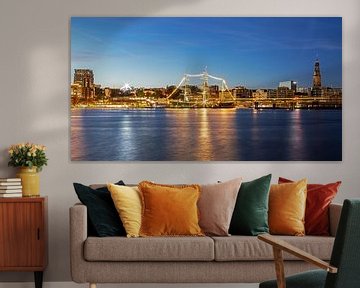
(30, 181)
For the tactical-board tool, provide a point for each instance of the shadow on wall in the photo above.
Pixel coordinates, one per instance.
(37, 50)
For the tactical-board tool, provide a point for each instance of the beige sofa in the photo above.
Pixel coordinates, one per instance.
(234, 259)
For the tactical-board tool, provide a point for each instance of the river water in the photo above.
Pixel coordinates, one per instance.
(206, 134)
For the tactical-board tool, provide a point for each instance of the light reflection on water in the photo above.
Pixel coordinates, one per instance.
(205, 134)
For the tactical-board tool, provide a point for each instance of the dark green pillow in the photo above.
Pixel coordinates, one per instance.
(103, 218)
(250, 216)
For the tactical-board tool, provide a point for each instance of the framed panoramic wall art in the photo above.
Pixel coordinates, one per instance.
(206, 88)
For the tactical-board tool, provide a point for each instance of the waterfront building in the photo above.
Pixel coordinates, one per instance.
(98, 91)
(214, 91)
(241, 92)
(260, 93)
(301, 94)
(115, 92)
(272, 93)
(332, 92)
(85, 78)
(107, 92)
(76, 93)
(316, 90)
(81, 74)
(304, 90)
(289, 84)
(281, 92)
(317, 75)
(284, 92)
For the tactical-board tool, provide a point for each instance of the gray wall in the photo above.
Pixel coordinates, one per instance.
(34, 91)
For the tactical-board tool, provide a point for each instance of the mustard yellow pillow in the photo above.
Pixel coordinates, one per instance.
(169, 210)
(287, 204)
(127, 201)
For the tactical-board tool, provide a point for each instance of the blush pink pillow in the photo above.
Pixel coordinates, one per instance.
(216, 206)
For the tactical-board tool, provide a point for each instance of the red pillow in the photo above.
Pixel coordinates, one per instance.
(319, 197)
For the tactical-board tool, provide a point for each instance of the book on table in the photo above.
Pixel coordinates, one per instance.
(10, 191)
(10, 188)
(9, 195)
(7, 180)
(10, 184)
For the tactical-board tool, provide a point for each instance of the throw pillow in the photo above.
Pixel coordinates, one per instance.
(127, 201)
(102, 215)
(250, 215)
(287, 208)
(169, 210)
(216, 206)
(319, 197)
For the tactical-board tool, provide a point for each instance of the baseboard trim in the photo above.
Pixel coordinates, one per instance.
(74, 285)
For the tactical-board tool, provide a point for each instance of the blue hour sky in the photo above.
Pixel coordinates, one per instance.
(256, 52)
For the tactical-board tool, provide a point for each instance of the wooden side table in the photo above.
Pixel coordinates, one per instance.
(23, 235)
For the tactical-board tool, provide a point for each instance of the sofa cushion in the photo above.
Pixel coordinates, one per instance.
(287, 204)
(169, 210)
(102, 216)
(127, 201)
(250, 215)
(149, 249)
(216, 206)
(244, 248)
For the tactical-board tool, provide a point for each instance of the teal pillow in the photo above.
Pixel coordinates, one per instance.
(250, 216)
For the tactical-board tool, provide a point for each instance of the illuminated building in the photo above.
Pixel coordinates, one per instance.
(316, 87)
(289, 84)
(85, 78)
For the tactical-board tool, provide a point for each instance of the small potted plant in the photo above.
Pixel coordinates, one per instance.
(30, 158)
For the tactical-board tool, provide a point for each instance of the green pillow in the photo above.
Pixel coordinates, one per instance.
(250, 216)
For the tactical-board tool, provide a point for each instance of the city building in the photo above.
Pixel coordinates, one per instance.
(260, 93)
(285, 92)
(214, 91)
(82, 75)
(281, 92)
(317, 75)
(303, 90)
(241, 92)
(85, 78)
(332, 92)
(292, 85)
(316, 90)
(76, 93)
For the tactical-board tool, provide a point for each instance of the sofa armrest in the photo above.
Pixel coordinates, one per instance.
(78, 235)
(334, 217)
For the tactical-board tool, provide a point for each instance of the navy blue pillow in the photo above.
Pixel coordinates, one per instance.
(103, 218)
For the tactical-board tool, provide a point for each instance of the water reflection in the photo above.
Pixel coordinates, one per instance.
(296, 135)
(205, 134)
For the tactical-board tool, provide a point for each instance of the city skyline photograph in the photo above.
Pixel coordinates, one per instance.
(206, 88)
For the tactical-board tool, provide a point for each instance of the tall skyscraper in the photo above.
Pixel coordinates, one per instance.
(84, 75)
(317, 75)
(316, 90)
(85, 78)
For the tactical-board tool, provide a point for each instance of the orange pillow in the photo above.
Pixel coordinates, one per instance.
(169, 210)
(287, 204)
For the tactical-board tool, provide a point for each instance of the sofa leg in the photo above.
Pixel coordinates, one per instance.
(92, 285)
